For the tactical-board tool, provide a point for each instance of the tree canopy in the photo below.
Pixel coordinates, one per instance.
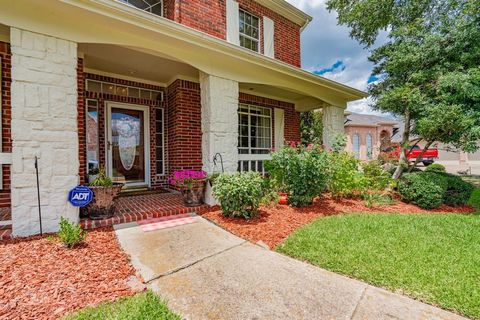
(429, 68)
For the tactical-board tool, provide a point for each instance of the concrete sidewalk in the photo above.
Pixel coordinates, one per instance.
(204, 272)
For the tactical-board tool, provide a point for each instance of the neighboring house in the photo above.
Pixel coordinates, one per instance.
(164, 85)
(367, 135)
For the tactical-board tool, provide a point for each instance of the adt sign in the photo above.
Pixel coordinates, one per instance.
(80, 196)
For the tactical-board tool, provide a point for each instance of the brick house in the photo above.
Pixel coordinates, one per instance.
(144, 88)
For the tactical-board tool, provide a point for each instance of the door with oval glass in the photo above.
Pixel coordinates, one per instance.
(128, 144)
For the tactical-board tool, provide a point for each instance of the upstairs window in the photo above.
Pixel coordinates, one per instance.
(152, 6)
(249, 31)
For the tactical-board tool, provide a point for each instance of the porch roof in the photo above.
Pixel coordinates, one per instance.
(112, 22)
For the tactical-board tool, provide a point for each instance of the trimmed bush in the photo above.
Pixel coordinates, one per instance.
(425, 189)
(436, 167)
(458, 191)
(240, 194)
(345, 180)
(70, 234)
(300, 171)
(474, 200)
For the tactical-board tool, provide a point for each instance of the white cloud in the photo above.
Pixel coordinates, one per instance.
(324, 43)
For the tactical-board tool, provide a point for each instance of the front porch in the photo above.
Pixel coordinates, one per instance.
(131, 208)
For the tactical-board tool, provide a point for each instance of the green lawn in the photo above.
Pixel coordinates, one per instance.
(145, 306)
(434, 258)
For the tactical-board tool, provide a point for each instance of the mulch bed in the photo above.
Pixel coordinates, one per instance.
(40, 279)
(273, 224)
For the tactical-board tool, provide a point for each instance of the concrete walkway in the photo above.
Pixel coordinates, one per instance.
(205, 272)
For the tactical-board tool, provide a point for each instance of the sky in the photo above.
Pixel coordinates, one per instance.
(328, 50)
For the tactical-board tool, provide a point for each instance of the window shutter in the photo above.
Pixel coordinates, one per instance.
(279, 128)
(268, 37)
(233, 23)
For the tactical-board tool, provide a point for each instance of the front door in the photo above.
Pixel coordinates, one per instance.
(128, 144)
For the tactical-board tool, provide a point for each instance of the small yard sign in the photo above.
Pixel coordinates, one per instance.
(80, 196)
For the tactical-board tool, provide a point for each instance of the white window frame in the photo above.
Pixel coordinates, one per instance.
(254, 159)
(369, 148)
(163, 142)
(86, 131)
(160, 2)
(240, 34)
(356, 152)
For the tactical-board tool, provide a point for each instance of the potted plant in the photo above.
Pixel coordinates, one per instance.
(104, 193)
(192, 185)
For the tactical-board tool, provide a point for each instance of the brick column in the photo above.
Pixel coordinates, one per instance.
(219, 99)
(44, 124)
(333, 124)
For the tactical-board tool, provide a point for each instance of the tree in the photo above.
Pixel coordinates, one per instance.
(311, 127)
(428, 69)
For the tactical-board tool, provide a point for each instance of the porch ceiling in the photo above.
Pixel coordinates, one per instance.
(132, 63)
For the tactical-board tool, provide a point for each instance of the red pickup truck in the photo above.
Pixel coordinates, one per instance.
(427, 159)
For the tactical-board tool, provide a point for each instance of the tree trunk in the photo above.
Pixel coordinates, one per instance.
(403, 147)
(420, 156)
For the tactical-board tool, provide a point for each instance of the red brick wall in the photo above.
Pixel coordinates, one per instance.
(81, 123)
(184, 126)
(287, 33)
(292, 117)
(209, 16)
(6, 68)
(102, 98)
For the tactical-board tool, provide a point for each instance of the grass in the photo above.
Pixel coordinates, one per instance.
(145, 306)
(434, 258)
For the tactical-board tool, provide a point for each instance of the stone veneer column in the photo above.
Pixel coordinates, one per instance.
(219, 99)
(44, 124)
(333, 124)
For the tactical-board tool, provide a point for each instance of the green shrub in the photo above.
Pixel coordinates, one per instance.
(375, 176)
(436, 167)
(345, 180)
(425, 189)
(458, 191)
(71, 234)
(474, 200)
(301, 172)
(239, 194)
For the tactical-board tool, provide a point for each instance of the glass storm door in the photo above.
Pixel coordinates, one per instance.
(127, 144)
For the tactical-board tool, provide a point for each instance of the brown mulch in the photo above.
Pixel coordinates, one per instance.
(41, 279)
(273, 224)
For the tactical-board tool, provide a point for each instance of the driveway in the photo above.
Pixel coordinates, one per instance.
(204, 272)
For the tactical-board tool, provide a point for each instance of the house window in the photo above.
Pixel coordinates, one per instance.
(254, 137)
(134, 92)
(92, 134)
(369, 144)
(249, 31)
(159, 142)
(356, 145)
(152, 6)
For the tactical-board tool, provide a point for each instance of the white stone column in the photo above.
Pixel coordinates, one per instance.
(219, 98)
(44, 124)
(333, 124)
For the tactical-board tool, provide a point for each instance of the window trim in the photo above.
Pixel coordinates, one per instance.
(163, 143)
(240, 34)
(368, 148)
(356, 153)
(86, 131)
(249, 148)
(162, 8)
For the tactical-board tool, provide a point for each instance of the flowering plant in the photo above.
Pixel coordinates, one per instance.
(187, 179)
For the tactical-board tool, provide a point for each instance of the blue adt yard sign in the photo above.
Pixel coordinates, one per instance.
(80, 196)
